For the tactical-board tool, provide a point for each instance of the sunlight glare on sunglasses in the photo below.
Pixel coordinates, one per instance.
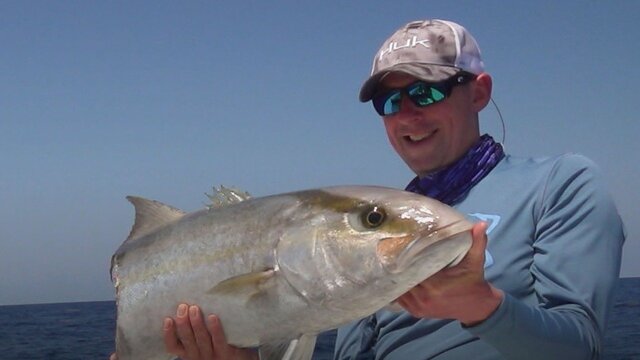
(421, 93)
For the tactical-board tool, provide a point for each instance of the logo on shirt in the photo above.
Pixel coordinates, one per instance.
(492, 222)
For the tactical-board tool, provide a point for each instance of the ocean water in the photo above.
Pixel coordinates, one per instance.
(85, 330)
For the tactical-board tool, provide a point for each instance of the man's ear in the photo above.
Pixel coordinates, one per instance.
(482, 91)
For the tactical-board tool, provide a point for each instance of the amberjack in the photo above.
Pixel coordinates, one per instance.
(278, 270)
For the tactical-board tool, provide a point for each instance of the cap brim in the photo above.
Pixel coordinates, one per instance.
(426, 72)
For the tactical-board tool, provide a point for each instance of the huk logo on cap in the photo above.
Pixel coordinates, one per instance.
(430, 50)
(410, 43)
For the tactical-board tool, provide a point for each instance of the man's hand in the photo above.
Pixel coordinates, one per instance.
(460, 292)
(189, 338)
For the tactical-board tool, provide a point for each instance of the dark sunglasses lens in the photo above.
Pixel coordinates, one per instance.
(423, 94)
(420, 93)
(388, 103)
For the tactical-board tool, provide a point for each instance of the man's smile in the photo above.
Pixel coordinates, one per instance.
(414, 138)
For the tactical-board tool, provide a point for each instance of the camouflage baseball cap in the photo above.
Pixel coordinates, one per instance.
(431, 50)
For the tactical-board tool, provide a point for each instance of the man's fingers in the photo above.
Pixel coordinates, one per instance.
(185, 332)
(202, 336)
(171, 342)
(410, 300)
(217, 333)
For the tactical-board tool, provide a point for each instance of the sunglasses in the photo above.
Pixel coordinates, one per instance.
(421, 93)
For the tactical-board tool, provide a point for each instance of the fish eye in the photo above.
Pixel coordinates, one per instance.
(373, 217)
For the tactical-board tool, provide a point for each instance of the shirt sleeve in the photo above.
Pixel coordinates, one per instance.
(577, 249)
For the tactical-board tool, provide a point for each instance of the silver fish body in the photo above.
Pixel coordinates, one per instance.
(279, 268)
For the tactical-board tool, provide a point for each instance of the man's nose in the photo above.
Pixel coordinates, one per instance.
(407, 107)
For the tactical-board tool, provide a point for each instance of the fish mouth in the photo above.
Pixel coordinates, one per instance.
(443, 241)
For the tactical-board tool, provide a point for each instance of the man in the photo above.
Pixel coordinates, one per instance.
(523, 293)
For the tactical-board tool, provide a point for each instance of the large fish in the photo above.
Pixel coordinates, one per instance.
(278, 270)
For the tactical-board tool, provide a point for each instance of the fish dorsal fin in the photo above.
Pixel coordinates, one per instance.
(226, 196)
(297, 349)
(151, 215)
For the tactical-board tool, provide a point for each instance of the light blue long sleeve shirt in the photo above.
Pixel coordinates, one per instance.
(555, 243)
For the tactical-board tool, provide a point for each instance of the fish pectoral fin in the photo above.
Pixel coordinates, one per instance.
(297, 349)
(252, 283)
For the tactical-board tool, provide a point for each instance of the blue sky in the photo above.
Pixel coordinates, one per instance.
(99, 100)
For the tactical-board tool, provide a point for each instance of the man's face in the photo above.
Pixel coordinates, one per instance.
(432, 137)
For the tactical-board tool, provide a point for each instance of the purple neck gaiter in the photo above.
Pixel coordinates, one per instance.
(451, 185)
